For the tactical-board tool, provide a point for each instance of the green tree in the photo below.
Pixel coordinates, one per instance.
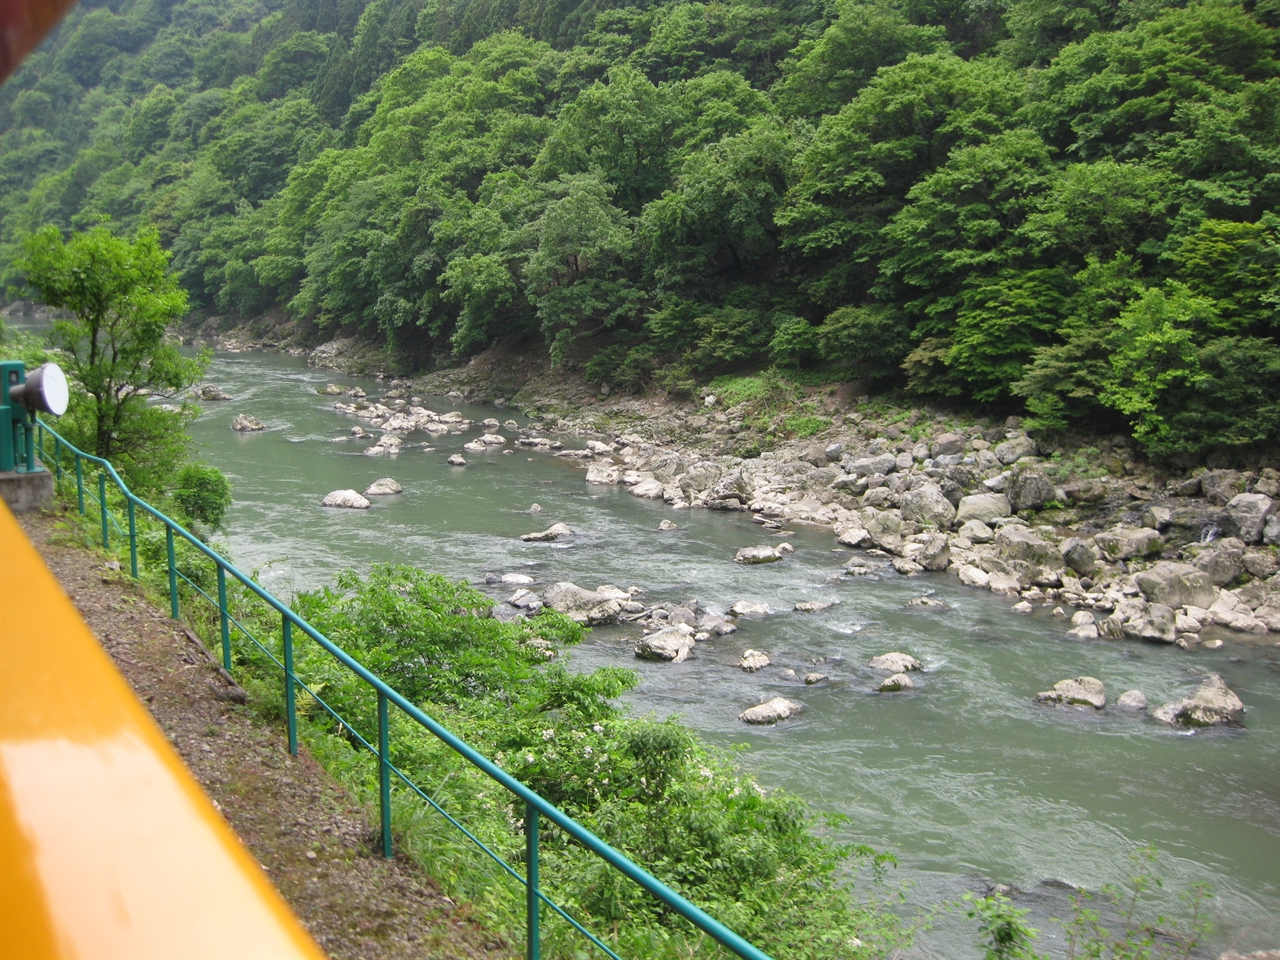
(121, 298)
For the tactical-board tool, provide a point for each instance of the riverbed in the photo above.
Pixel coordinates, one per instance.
(966, 779)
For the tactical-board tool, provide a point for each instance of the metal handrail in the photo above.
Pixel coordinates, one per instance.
(535, 805)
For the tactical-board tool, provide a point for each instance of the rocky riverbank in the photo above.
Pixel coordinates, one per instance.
(1112, 545)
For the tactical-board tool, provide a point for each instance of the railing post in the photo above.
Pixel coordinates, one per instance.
(290, 704)
(102, 509)
(224, 617)
(532, 902)
(133, 539)
(384, 773)
(40, 441)
(173, 573)
(80, 484)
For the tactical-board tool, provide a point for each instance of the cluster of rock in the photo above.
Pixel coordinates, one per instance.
(210, 392)
(963, 504)
(1211, 704)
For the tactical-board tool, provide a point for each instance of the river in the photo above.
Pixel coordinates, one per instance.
(964, 779)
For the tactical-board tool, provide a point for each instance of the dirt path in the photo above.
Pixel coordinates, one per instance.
(311, 836)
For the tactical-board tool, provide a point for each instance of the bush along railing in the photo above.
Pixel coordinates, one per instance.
(69, 465)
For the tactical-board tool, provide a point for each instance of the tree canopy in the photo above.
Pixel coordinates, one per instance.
(1021, 205)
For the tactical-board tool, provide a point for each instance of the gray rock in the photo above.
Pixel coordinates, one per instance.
(1176, 585)
(936, 554)
(927, 602)
(811, 678)
(853, 535)
(557, 531)
(834, 450)
(753, 660)
(976, 531)
(884, 528)
(457, 460)
(1271, 532)
(648, 489)
(1011, 451)
(516, 579)
(1086, 691)
(899, 681)
(1079, 555)
(1219, 486)
(1261, 564)
(779, 708)
(947, 445)
(813, 606)
(348, 499)
(1247, 515)
(884, 463)
(582, 605)
(1212, 703)
(383, 488)
(749, 608)
(1223, 563)
(209, 391)
(985, 507)
(1132, 700)
(672, 644)
(1157, 623)
(667, 525)
(244, 423)
(1124, 543)
(1029, 490)
(895, 663)
(1157, 518)
(927, 505)
(755, 555)
(1015, 542)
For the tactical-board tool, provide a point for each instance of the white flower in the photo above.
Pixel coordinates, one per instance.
(548, 733)
(528, 758)
(586, 751)
(597, 728)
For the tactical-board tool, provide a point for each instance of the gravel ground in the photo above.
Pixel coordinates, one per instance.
(311, 836)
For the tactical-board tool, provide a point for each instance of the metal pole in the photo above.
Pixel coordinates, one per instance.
(57, 458)
(102, 510)
(290, 704)
(532, 902)
(222, 613)
(29, 437)
(384, 773)
(133, 540)
(80, 484)
(173, 573)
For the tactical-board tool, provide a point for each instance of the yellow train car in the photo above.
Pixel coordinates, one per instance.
(108, 846)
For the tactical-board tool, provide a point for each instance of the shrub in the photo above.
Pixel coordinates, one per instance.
(202, 493)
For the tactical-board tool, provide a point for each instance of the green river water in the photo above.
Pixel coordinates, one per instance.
(966, 779)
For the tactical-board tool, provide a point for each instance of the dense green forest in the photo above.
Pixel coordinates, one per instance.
(1063, 207)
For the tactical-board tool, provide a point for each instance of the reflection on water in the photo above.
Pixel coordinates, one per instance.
(965, 778)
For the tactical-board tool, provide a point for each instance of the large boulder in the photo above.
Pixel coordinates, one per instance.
(936, 554)
(348, 499)
(1086, 691)
(1176, 585)
(927, 505)
(557, 531)
(245, 423)
(1211, 703)
(1014, 449)
(753, 660)
(985, 507)
(1079, 555)
(649, 489)
(1029, 490)
(1247, 515)
(1223, 562)
(749, 608)
(383, 488)
(975, 531)
(1219, 486)
(1018, 543)
(211, 391)
(1123, 543)
(672, 644)
(895, 683)
(947, 445)
(895, 662)
(605, 472)
(756, 555)
(779, 708)
(870, 466)
(884, 528)
(592, 607)
(1157, 623)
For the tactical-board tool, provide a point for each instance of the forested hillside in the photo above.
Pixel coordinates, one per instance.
(1067, 207)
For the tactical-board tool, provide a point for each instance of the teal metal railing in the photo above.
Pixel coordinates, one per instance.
(536, 808)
